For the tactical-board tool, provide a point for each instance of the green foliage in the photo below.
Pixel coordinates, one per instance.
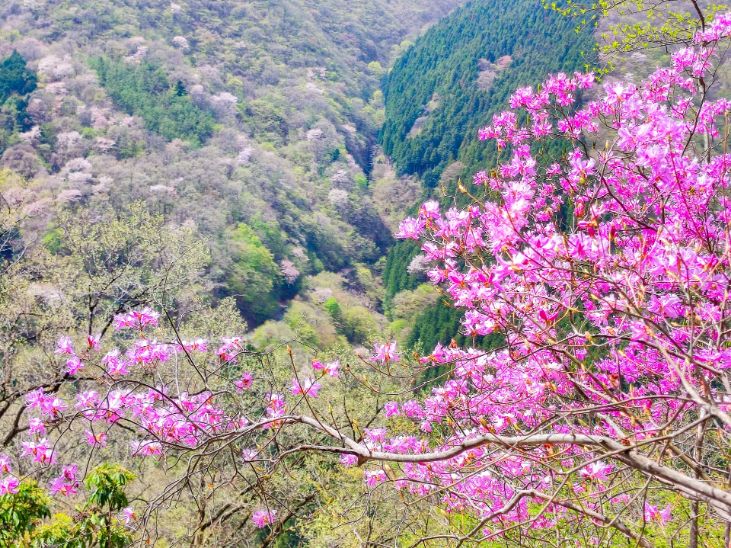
(438, 324)
(145, 91)
(358, 324)
(462, 71)
(96, 523)
(310, 325)
(253, 276)
(60, 531)
(640, 24)
(22, 511)
(14, 116)
(271, 236)
(409, 303)
(447, 85)
(367, 281)
(22, 514)
(17, 81)
(332, 307)
(106, 484)
(268, 120)
(396, 276)
(52, 240)
(15, 77)
(361, 181)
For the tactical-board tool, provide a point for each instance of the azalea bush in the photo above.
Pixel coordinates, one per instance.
(605, 414)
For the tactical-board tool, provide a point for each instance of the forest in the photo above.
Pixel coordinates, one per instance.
(439, 93)
(145, 91)
(384, 273)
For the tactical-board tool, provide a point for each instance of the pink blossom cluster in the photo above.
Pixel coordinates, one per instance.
(385, 353)
(636, 274)
(262, 518)
(8, 482)
(67, 482)
(73, 362)
(136, 319)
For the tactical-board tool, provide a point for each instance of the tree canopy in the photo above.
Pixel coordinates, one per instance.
(15, 77)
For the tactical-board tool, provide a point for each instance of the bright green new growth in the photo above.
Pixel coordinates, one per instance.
(106, 485)
(21, 512)
(626, 26)
(253, 276)
(24, 516)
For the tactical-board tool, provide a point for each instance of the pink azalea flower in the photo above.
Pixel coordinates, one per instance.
(385, 353)
(41, 451)
(66, 484)
(92, 342)
(410, 229)
(348, 460)
(116, 366)
(65, 346)
(5, 464)
(652, 513)
(276, 405)
(598, 471)
(430, 210)
(47, 404)
(375, 435)
(136, 319)
(480, 178)
(197, 345)
(96, 440)
(308, 387)
(374, 478)
(146, 448)
(128, 515)
(36, 426)
(332, 369)
(73, 365)
(230, 349)
(245, 382)
(262, 518)
(391, 409)
(9, 485)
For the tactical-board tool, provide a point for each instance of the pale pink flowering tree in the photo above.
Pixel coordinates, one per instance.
(608, 407)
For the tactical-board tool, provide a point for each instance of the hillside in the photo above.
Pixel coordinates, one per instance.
(252, 122)
(210, 334)
(450, 83)
(463, 70)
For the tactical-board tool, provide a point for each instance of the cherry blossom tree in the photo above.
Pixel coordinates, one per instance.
(605, 412)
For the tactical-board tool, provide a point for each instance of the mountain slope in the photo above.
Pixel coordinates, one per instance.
(216, 114)
(450, 83)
